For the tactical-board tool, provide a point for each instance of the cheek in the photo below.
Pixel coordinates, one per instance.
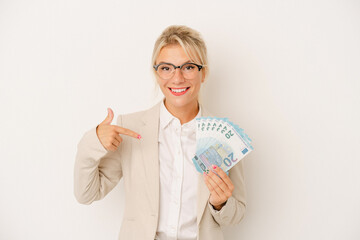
(197, 84)
(163, 89)
(161, 84)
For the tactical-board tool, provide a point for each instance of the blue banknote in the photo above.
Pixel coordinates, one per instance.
(219, 142)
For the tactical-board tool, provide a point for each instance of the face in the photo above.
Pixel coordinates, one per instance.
(176, 55)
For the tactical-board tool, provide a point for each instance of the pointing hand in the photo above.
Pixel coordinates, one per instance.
(109, 135)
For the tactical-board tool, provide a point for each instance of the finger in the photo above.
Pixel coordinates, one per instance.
(109, 117)
(116, 143)
(113, 147)
(224, 177)
(219, 182)
(210, 187)
(126, 131)
(215, 186)
(118, 138)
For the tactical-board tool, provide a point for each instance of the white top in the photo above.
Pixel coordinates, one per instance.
(178, 178)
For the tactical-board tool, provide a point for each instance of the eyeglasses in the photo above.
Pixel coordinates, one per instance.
(167, 70)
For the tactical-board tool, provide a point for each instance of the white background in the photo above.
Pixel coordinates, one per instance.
(285, 71)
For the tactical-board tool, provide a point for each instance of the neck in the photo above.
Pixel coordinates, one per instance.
(185, 113)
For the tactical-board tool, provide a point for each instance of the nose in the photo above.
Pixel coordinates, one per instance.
(178, 76)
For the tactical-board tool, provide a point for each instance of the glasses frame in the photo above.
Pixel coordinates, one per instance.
(175, 67)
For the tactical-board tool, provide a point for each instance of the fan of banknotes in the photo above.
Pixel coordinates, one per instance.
(219, 142)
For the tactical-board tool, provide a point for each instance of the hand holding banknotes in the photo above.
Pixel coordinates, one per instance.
(220, 145)
(109, 134)
(220, 188)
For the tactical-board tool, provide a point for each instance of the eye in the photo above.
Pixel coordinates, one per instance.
(164, 68)
(188, 67)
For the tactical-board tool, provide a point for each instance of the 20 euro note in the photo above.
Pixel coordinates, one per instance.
(219, 142)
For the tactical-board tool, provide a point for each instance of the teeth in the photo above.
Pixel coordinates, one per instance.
(178, 90)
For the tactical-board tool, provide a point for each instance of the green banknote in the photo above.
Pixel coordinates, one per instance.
(219, 142)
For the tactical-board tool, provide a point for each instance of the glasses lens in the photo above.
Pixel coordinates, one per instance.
(189, 70)
(165, 70)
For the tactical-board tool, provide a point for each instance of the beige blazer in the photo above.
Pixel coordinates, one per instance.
(97, 171)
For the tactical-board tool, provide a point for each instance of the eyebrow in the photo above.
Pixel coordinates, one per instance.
(188, 61)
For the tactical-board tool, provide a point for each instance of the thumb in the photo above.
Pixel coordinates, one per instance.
(108, 118)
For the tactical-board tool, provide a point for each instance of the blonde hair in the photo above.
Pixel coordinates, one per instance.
(189, 39)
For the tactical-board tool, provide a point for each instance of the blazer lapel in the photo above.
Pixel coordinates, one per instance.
(150, 151)
(203, 192)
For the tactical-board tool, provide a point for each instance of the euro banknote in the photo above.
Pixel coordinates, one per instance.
(219, 142)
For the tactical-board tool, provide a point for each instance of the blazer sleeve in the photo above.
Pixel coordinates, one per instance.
(96, 170)
(234, 209)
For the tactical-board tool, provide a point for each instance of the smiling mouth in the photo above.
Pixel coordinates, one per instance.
(179, 91)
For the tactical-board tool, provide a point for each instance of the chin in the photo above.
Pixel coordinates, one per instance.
(179, 102)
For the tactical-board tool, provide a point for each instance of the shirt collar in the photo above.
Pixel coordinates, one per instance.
(166, 117)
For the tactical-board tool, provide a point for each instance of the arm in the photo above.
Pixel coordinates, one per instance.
(233, 210)
(97, 170)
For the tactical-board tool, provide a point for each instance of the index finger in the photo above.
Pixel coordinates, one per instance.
(128, 132)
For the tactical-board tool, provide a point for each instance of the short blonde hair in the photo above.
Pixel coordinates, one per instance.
(189, 39)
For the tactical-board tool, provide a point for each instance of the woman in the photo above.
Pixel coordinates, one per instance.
(166, 198)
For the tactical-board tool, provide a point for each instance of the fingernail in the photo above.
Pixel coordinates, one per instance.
(139, 136)
(213, 166)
